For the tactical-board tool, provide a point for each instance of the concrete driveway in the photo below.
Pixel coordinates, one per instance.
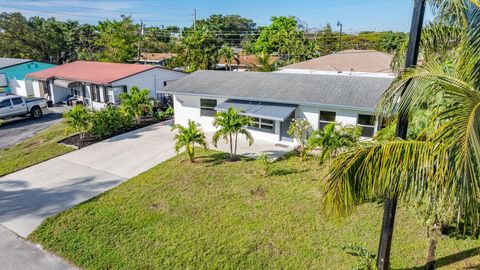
(29, 196)
(17, 129)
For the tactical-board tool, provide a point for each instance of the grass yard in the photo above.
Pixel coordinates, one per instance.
(222, 215)
(41, 147)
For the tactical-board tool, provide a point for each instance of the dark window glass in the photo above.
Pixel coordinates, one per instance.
(327, 116)
(367, 122)
(264, 124)
(5, 103)
(17, 101)
(165, 83)
(105, 95)
(207, 107)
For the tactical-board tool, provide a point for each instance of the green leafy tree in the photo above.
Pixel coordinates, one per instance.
(228, 29)
(231, 124)
(77, 120)
(199, 50)
(284, 37)
(327, 40)
(332, 139)
(299, 130)
(136, 103)
(118, 40)
(187, 137)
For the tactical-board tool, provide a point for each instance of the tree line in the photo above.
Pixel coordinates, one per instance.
(197, 47)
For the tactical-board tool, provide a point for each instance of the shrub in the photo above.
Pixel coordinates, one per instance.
(107, 121)
(169, 111)
(265, 163)
(332, 138)
(366, 260)
(78, 120)
(299, 130)
(137, 103)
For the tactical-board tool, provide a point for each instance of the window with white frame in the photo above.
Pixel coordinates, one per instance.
(367, 123)
(326, 118)
(263, 124)
(207, 107)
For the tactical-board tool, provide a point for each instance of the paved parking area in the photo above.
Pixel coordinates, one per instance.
(17, 129)
(29, 196)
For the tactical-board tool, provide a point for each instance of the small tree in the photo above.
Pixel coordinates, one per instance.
(78, 119)
(332, 138)
(231, 123)
(299, 130)
(187, 137)
(228, 55)
(137, 102)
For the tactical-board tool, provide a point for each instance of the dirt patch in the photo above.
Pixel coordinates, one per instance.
(75, 140)
(258, 192)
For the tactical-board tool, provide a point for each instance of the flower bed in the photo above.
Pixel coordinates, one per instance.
(75, 140)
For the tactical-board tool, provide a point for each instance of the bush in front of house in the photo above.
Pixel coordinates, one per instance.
(164, 114)
(137, 103)
(332, 139)
(77, 120)
(108, 121)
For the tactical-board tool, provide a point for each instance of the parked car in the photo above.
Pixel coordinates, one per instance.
(12, 106)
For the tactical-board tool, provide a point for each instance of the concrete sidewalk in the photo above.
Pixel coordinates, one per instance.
(29, 196)
(18, 254)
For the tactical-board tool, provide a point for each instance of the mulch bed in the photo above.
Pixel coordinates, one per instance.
(75, 141)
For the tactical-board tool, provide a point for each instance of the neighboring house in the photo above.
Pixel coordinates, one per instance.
(275, 99)
(12, 75)
(348, 62)
(243, 62)
(98, 83)
(157, 59)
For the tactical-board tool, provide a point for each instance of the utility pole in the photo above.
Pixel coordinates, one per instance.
(339, 24)
(140, 37)
(194, 19)
(390, 209)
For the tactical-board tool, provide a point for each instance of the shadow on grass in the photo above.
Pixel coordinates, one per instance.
(453, 258)
(284, 171)
(213, 159)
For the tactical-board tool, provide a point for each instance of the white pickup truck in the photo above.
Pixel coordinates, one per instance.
(12, 106)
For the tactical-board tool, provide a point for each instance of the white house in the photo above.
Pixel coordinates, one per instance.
(274, 99)
(96, 84)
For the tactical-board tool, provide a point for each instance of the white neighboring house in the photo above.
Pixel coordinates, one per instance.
(275, 99)
(97, 83)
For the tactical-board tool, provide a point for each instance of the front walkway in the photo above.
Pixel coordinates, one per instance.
(29, 196)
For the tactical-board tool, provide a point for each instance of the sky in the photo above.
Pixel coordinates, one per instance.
(355, 15)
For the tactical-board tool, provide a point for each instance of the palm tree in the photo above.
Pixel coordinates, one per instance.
(228, 54)
(187, 137)
(444, 165)
(264, 64)
(78, 119)
(136, 103)
(231, 123)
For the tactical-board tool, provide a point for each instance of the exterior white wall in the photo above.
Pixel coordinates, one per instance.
(187, 107)
(58, 93)
(152, 79)
(36, 88)
(21, 87)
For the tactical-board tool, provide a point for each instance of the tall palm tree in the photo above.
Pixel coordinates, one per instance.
(444, 166)
(187, 137)
(231, 124)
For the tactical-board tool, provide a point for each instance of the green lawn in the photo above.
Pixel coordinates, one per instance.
(222, 215)
(41, 147)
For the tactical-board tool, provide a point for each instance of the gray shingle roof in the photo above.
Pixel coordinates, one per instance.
(330, 90)
(7, 62)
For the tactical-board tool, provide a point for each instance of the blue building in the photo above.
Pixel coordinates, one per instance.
(12, 75)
